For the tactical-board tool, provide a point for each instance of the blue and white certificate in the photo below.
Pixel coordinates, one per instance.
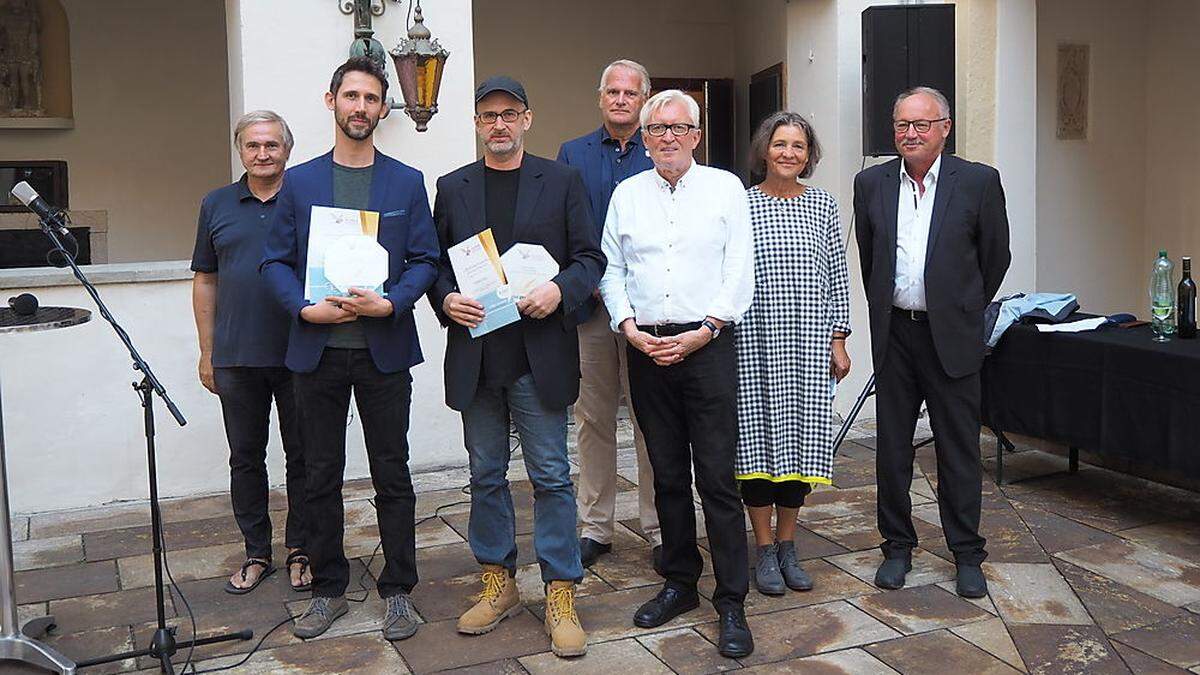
(480, 276)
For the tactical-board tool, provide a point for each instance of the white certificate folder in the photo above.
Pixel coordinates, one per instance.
(480, 276)
(343, 251)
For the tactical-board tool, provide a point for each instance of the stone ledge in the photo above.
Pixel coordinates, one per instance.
(111, 273)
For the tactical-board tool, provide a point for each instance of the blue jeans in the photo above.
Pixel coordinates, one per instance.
(543, 434)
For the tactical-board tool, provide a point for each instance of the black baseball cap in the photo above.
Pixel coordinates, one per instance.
(502, 83)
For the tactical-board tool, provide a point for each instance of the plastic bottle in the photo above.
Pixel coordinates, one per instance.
(1162, 297)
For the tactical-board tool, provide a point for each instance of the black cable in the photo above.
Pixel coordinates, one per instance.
(162, 538)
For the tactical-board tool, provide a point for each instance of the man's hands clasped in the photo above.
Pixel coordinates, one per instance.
(666, 350)
(346, 308)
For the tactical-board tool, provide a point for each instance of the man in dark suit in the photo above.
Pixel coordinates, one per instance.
(526, 371)
(361, 341)
(933, 240)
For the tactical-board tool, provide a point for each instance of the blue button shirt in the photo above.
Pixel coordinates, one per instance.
(603, 164)
(251, 329)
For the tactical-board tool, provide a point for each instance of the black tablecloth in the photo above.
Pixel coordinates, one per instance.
(1112, 391)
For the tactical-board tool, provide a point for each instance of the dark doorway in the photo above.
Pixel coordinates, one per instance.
(718, 145)
(766, 95)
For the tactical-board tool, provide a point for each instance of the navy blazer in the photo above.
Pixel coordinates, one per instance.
(965, 260)
(552, 211)
(405, 230)
(587, 153)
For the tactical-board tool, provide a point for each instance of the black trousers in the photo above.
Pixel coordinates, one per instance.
(912, 373)
(688, 415)
(323, 398)
(246, 395)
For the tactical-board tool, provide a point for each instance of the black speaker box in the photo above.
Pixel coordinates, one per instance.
(903, 46)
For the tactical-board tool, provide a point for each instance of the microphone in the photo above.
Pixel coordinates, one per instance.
(24, 304)
(52, 217)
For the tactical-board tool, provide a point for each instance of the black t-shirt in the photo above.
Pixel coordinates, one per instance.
(351, 190)
(504, 358)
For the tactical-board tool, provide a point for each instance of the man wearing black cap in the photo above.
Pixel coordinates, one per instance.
(527, 371)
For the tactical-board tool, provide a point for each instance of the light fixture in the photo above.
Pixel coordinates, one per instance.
(420, 60)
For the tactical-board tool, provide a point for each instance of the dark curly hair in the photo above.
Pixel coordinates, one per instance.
(362, 64)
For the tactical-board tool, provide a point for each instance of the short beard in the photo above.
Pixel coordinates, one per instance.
(344, 125)
(512, 146)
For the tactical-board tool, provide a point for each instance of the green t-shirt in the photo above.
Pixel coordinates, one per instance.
(351, 190)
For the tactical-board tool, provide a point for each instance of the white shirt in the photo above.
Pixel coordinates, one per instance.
(678, 255)
(913, 214)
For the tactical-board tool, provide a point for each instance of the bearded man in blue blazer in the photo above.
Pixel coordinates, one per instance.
(362, 341)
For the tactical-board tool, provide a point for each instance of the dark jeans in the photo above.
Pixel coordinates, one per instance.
(323, 398)
(911, 373)
(688, 414)
(246, 395)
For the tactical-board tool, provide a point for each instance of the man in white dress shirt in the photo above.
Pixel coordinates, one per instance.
(680, 272)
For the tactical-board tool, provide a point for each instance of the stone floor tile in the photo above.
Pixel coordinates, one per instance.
(686, 651)
(443, 599)
(1176, 641)
(915, 654)
(356, 489)
(86, 612)
(1166, 577)
(1066, 650)
(93, 643)
(919, 609)
(197, 563)
(857, 448)
(1177, 537)
(1193, 608)
(1055, 533)
(439, 646)
(633, 567)
(985, 603)
(808, 630)
(359, 513)
(439, 562)
(214, 609)
(54, 583)
(501, 667)
(1143, 664)
(845, 662)
(196, 508)
(31, 611)
(442, 503)
(442, 479)
(822, 504)
(1033, 593)
(1088, 497)
(144, 632)
(131, 541)
(628, 534)
(992, 637)
(854, 473)
(599, 660)
(366, 654)
(93, 519)
(859, 531)
(829, 584)
(1115, 607)
(533, 589)
(49, 552)
(19, 526)
(926, 567)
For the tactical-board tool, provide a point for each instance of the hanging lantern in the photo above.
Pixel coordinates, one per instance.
(420, 62)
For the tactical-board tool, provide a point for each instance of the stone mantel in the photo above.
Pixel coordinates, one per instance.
(95, 221)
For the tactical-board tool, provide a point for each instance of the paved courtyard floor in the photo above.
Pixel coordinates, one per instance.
(1094, 572)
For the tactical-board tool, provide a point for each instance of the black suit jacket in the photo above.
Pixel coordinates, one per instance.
(965, 261)
(552, 210)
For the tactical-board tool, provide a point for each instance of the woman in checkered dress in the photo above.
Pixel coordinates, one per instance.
(790, 345)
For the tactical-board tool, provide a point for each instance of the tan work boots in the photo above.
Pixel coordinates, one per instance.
(562, 623)
(498, 600)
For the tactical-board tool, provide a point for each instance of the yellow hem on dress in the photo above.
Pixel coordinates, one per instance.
(786, 477)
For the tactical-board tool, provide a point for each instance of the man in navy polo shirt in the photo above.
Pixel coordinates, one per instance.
(243, 338)
(605, 157)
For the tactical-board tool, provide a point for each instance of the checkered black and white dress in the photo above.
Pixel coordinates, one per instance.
(801, 295)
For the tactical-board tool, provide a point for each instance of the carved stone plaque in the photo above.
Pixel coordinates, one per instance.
(20, 59)
(1072, 94)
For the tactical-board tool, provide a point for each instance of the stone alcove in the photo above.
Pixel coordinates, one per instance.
(35, 65)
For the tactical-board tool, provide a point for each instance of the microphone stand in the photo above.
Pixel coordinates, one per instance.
(163, 645)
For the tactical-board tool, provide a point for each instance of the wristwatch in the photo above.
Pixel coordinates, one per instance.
(712, 327)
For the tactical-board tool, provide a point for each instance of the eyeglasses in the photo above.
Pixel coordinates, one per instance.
(508, 115)
(676, 129)
(922, 126)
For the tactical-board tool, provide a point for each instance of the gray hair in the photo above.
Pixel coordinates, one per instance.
(943, 104)
(629, 65)
(762, 140)
(257, 117)
(664, 98)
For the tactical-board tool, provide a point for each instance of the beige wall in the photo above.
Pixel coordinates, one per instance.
(1093, 191)
(762, 40)
(1172, 144)
(151, 120)
(557, 50)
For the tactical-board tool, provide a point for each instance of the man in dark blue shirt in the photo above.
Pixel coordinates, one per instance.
(243, 338)
(605, 157)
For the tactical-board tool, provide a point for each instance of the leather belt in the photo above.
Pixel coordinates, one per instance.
(912, 314)
(665, 329)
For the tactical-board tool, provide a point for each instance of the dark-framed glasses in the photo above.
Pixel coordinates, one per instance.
(509, 115)
(680, 129)
(922, 126)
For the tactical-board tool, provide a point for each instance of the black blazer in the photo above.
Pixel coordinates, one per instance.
(965, 260)
(552, 210)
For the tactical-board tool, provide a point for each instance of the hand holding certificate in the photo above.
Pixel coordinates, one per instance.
(476, 264)
(343, 253)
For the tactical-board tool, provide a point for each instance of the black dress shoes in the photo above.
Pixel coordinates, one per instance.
(735, 641)
(590, 550)
(891, 573)
(971, 582)
(668, 604)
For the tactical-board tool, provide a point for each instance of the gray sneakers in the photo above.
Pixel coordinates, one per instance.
(767, 577)
(793, 574)
(400, 618)
(319, 616)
